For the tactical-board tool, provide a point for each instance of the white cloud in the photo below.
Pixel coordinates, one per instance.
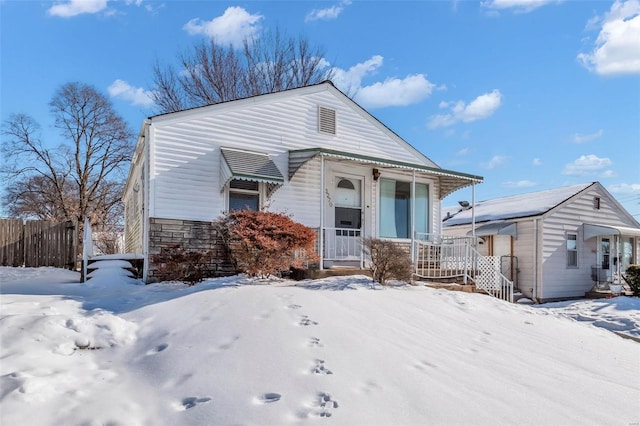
(519, 184)
(523, 6)
(235, 25)
(350, 80)
(390, 92)
(120, 89)
(395, 92)
(580, 138)
(617, 48)
(328, 13)
(586, 165)
(463, 151)
(496, 161)
(480, 108)
(625, 188)
(536, 162)
(77, 7)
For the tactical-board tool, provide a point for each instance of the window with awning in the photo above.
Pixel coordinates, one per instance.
(250, 166)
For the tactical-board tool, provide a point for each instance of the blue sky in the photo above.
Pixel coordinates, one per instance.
(530, 94)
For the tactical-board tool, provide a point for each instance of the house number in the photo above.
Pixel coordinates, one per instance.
(326, 191)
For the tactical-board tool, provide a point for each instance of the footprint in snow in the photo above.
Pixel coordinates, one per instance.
(319, 368)
(192, 401)
(305, 321)
(158, 349)
(424, 365)
(326, 404)
(294, 306)
(314, 342)
(268, 398)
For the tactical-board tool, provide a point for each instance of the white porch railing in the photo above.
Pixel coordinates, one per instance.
(343, 244)
(438, 256)
(450, 257)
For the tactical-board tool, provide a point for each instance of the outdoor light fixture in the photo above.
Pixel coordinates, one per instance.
(376, 174)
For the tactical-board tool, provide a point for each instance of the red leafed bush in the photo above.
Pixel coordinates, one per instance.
(265, 243)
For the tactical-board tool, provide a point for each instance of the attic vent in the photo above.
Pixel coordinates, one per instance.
(327, 120)
(596, 203)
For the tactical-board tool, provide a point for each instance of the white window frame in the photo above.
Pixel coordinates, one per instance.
(576, 250)
(229, 191)
(412, 209)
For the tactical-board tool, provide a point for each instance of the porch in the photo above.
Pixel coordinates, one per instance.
(435, 258)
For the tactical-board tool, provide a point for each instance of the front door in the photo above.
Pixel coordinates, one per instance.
(604, 259)
(347, 219)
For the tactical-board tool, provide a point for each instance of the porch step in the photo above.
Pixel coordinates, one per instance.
(605, 294)
(334, 272)
(466, 288)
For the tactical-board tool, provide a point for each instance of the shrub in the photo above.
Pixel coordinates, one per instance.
(633, 279)
(177, 264)
(388, 261)
(264, 243)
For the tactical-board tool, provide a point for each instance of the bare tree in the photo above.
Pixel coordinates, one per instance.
(211, 73)
(83, 175)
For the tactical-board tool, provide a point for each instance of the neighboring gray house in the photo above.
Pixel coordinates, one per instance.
(554, 244)
(310, 152)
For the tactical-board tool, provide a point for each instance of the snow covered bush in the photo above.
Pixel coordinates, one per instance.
(633, 279)
(177, 264)
(264, 243)
(388, 261)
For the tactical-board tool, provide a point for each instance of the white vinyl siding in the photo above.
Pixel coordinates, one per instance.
(134, 203)
(185, 157)
(558, 281)
(301, 196)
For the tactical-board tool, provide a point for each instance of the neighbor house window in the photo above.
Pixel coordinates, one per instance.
(395, 208)
(572, 250)
(243, 195)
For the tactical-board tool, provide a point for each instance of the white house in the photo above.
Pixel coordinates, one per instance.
(554, 244)
(310, 152)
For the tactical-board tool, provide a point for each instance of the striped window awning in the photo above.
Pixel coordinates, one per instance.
(247, 165)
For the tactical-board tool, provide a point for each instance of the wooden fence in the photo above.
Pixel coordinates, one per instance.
(37, 243)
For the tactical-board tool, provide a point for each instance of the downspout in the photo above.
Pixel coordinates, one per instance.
(321, 232)
(146, 176)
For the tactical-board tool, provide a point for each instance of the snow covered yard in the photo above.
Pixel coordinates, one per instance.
(333, 351)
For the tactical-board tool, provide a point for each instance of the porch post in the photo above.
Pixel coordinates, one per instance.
(413, 215)
(618, 256)
(321, 231)
(473, 213)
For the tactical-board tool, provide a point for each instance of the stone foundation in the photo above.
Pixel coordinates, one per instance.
(192, 236)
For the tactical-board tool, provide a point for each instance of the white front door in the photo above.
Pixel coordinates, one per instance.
(604, 258)
(347, 219)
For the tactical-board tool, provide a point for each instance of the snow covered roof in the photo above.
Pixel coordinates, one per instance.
(517, 206)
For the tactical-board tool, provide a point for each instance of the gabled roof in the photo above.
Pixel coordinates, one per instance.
(518, 206)
(448, 180)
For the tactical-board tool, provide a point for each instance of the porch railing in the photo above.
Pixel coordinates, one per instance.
(343, 244)
(439, 257)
